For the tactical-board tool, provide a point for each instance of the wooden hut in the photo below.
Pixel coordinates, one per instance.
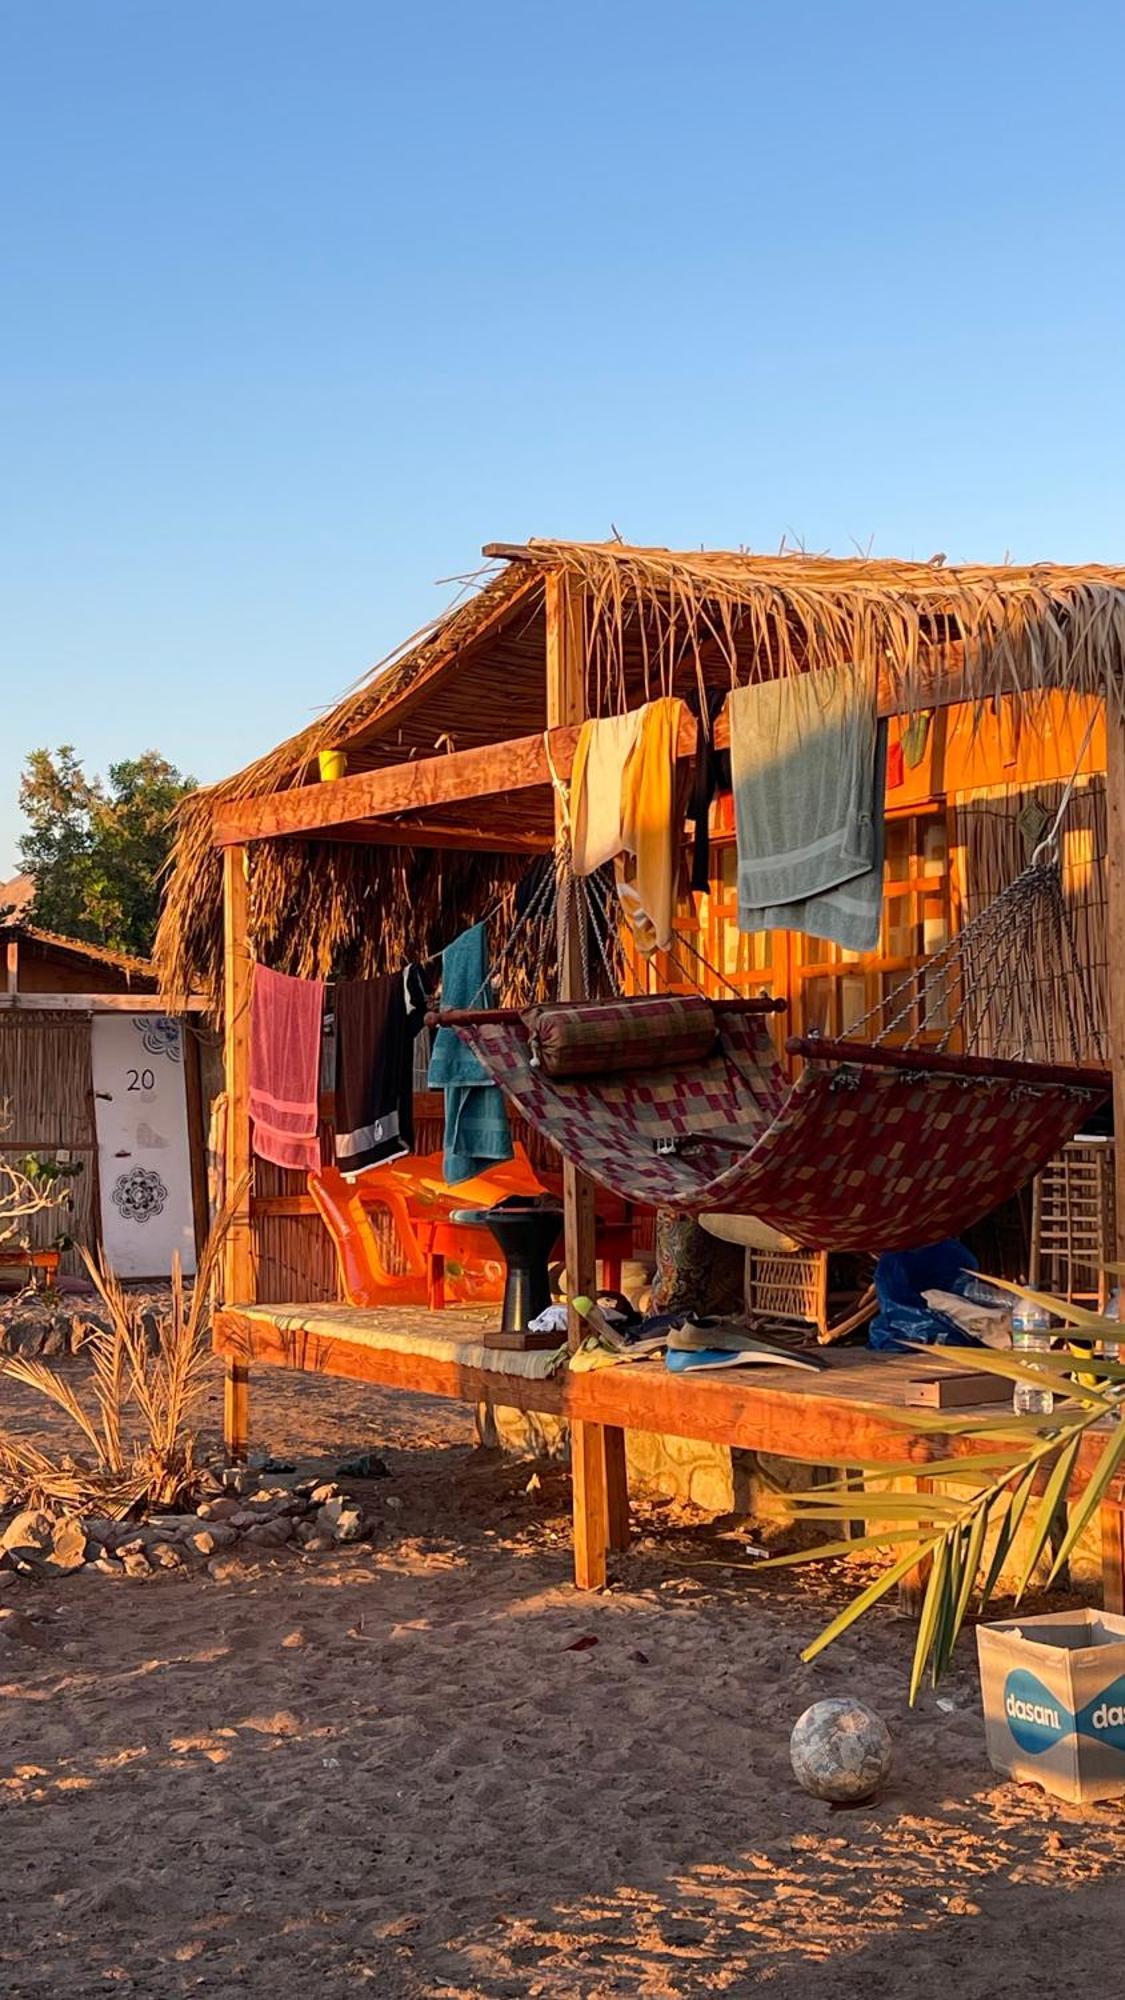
(1000, 683)
(65, 1006)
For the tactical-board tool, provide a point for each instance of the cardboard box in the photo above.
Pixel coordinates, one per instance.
(1054, 1702)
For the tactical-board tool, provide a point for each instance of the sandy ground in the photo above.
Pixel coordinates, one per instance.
(389, 1768)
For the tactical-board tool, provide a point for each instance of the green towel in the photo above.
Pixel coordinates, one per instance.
(808, 766)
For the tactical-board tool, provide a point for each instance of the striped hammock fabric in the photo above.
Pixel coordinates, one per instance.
(849, 1159)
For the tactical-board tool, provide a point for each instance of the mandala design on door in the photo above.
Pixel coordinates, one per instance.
(160, 1035)
(139, 1194)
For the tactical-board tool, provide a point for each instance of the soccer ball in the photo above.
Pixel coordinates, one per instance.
(840, 1750)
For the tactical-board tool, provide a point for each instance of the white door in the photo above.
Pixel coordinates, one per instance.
(144, 1165)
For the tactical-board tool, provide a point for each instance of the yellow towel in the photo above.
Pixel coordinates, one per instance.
(646, 884)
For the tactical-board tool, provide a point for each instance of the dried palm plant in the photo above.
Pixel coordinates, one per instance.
(1021, 1460)
(132, 1416)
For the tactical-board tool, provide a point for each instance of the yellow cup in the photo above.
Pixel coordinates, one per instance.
(332, 764)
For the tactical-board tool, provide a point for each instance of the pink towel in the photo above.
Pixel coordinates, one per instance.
(285, 1023)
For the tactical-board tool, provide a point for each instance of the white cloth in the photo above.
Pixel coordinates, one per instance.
(596, 795)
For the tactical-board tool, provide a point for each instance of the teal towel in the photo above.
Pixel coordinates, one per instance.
(476, 1124)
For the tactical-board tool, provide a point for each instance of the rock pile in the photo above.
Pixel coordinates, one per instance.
(237, 1514)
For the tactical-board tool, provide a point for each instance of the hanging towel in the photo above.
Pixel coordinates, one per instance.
(285, 1025)
(647, 882)
(808, 763)
(476, 1123)
(377, 1024)
(604, 747)
(712, 774)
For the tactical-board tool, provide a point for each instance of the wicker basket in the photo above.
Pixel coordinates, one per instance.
(788, 1285)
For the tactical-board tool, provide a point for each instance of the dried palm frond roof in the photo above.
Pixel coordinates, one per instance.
(655, 620)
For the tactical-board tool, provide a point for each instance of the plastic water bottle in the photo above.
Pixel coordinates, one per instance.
(1031, 1334)
(1112, 1348)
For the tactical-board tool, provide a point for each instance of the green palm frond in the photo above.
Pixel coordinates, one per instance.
(1020, 1471)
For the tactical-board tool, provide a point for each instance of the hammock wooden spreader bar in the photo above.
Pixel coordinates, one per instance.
(939, 1062)
(867, 1156)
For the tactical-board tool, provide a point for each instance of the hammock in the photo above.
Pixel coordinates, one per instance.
(880, 1145)
(862, 1155)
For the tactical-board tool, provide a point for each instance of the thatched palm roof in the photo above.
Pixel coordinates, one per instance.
(656, 621)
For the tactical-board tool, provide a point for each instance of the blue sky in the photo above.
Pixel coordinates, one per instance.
(303, 300)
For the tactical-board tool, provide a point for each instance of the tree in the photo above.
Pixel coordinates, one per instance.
(96, 848)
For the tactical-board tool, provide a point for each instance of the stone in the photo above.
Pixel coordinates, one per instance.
(24, 1335)
(106, 1565)
(841, 1751)
(318, 1543)
(209, 1540)
(29, 1535)
(341, 1519)
(166, 1556)
(238, 1478)
(219, 1509)
(325, 1493)
(271, 1534)
(68, 1546)
(306, 1532)
(17, 1629)
(56, 1340)
(136, 1563)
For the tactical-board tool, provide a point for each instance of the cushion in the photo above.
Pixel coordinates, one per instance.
(603, 1038)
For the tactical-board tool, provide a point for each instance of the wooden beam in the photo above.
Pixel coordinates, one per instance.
(238, 1252)
(429, 833)
(99, 1003)
(492, 770)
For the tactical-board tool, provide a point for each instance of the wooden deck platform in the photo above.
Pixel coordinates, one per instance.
(850, 1412)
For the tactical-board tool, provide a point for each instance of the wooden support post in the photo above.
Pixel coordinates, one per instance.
(912, 1589)
(236, 1411)
(239, 1274)
(13, 965)
(1111, 1515)
(197, 1134)
(597, 1456)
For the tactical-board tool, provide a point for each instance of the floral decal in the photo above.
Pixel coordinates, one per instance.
(160, 1035)
(140, 1194)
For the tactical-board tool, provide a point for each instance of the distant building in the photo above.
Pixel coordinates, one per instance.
(93, 1070)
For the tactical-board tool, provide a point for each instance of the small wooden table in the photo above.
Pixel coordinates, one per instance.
(32, 1261)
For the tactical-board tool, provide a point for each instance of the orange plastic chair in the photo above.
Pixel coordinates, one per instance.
(364, 1277)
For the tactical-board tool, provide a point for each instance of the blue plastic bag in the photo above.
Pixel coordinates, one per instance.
(901, 1277)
